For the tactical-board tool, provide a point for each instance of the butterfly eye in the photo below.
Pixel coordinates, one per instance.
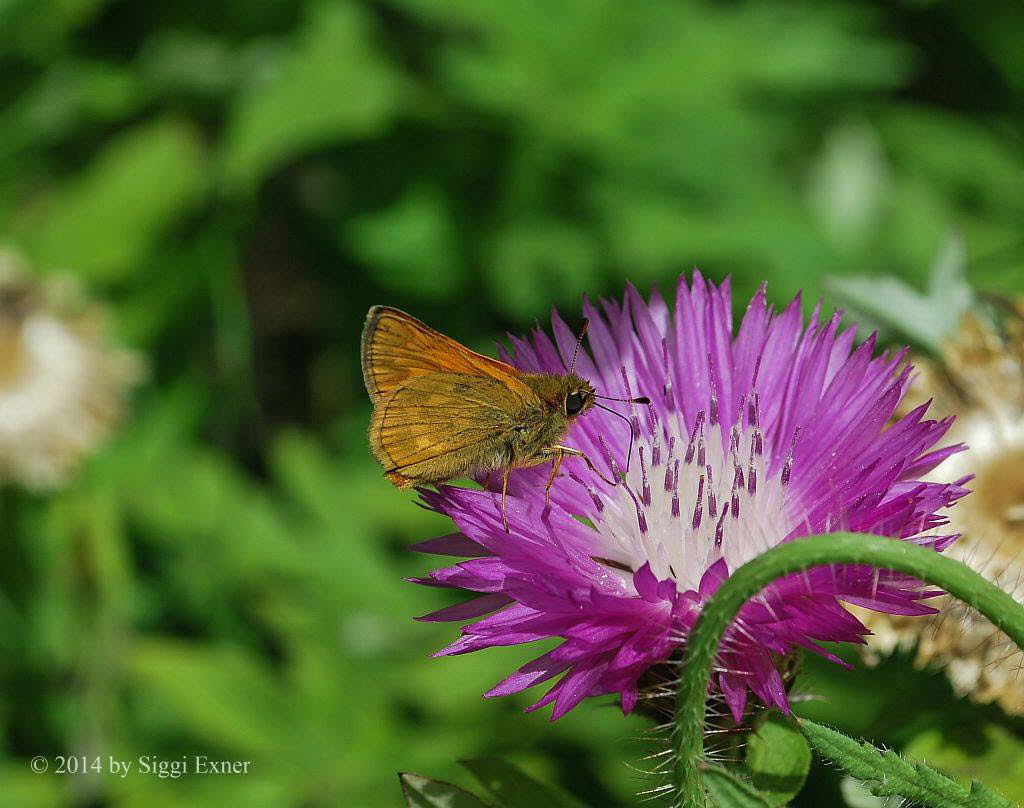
(573, 404)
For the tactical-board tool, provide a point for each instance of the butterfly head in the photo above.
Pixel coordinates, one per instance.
(577, 397)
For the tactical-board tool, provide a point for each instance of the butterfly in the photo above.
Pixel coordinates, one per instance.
(442, 411)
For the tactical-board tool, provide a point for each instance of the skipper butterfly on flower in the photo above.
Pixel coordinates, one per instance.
(443, 411)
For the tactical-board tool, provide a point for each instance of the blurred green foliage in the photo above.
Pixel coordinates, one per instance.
(241, 180)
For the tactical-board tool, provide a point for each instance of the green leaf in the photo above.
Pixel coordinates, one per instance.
(187, 61)
(513, 788)
(894, 776)
(106, 221)
(22, 786)
(333, 86)
(422, 792)
(778, 759)
(849, 184)
(71, 93)
(410, 248)
(996, 756)
(947, 279)
(537, 263)
(927, 318)
(729, 791)
(215, 687)
(985, 166)
(985, 795)
(857, 794)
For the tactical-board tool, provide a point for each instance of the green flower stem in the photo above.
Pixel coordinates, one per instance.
(747, 581)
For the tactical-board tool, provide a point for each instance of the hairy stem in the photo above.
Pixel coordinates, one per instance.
(816, 551)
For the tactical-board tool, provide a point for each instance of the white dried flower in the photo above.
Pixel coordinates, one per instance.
(62, 384)
(980, 379)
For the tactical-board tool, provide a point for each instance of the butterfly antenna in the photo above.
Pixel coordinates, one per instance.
(624, 418)
(637, 400)
(579, 341)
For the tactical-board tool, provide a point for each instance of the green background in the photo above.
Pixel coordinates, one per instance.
(239, 181)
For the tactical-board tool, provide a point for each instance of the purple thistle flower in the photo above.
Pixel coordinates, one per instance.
(750, 440)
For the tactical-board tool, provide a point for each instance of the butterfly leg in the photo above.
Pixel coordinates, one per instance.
(567, 450)
(504, 488)
(556, 461)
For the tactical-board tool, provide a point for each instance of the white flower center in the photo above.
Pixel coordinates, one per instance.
(695, 495)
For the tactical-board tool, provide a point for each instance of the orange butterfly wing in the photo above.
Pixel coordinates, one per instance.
(440, 409)
(434, 428)
(396, 347)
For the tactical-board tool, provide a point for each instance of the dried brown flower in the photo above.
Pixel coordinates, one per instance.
(979, 377)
